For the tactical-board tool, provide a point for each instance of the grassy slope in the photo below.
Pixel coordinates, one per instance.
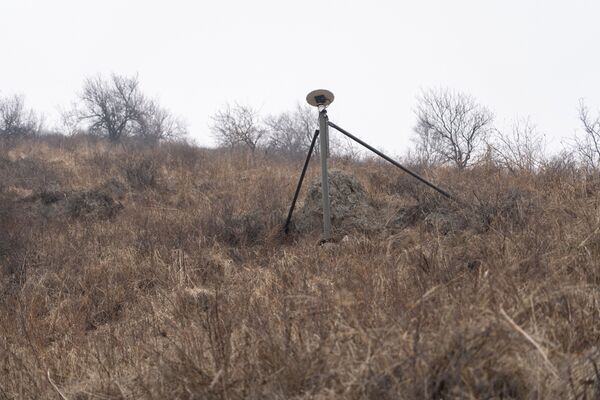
(132, 272)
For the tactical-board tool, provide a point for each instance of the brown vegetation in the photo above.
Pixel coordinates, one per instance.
(160, 272)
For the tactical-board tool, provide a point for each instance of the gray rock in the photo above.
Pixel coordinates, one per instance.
(351, 209)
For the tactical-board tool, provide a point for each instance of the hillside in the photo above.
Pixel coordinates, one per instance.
(161, 272)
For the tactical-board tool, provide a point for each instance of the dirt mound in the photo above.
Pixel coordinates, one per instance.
(351, 209)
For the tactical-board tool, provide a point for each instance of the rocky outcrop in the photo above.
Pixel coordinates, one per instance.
(351, 209)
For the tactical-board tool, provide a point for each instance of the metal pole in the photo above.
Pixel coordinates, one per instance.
(324, 137)
(286, 227)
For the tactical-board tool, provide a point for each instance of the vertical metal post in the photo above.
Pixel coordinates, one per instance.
(324, 133)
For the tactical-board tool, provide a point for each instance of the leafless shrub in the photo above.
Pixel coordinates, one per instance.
(290, 133)
(451, 127)
(521, 149)
(156, 123)
(141, 172)
(237, 125)
(587, 147)
(16, 119)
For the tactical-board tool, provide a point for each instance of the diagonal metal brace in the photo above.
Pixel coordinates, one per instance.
(397, 164)
(286, 228)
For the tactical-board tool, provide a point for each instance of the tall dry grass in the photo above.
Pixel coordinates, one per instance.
(158, 272)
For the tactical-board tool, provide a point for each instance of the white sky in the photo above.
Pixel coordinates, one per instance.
(518, 57)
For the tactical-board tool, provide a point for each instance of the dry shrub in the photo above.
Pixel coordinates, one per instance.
(93, 204)
(12, 239)
(491, 360)
(141, 172)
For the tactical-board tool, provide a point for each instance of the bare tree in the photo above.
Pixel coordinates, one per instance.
(237, 125)
(426, 148)
(452, 126)
(522, 148)
(116, 108)
(588, 147)
(111, 107)
(290, 133)
(155, 123)
(16, 120)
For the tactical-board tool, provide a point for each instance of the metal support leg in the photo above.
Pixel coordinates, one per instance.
(286, 227)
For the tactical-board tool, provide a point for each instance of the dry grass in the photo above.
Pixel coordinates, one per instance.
(131, 272)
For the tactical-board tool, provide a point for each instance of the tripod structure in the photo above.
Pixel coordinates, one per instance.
(322, 98)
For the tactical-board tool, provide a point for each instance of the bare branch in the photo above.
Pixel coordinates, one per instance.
(16, 120)
(522, 148)
(237, 125)
(451, 127)
(290, 133)
(116, 108)
(587, 147)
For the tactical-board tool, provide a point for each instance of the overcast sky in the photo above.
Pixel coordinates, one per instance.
(518, 57)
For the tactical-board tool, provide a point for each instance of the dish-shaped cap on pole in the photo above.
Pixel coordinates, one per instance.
(320, 97)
